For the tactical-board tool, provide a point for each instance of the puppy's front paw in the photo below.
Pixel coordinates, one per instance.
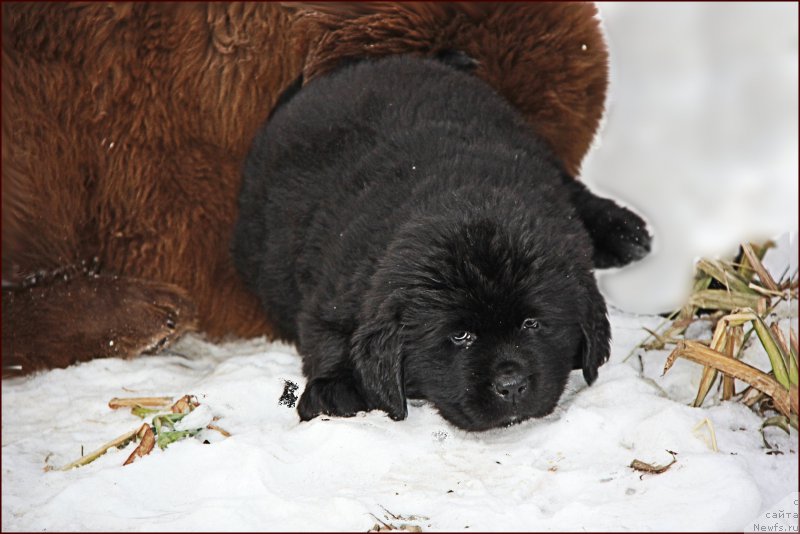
(620, 236)
(330, 396)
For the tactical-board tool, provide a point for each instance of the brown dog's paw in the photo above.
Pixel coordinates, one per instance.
(92, 317)
(154, 316)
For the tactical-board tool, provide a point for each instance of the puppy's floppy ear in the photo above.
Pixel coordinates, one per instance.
(596, 343)
(378, 360)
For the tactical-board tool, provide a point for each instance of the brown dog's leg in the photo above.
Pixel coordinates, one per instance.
(86, 317)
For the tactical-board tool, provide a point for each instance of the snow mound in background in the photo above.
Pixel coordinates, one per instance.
(567, 471)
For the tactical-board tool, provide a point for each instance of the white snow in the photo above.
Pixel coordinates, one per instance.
(567, 471)
(700, 134)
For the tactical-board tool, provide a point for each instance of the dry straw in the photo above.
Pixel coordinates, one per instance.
(742, 305)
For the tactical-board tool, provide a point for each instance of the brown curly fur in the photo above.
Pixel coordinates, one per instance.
(124, 126)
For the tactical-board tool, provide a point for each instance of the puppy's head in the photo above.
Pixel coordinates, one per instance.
(484, 316)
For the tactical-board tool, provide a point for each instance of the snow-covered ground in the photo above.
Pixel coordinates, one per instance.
(569, 471)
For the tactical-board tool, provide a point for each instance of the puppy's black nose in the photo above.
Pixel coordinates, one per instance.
(511, 388)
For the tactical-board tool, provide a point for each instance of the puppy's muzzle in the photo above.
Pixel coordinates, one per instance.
(511, 387)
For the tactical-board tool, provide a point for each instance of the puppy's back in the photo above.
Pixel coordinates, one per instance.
(406, 108)
(344, 147)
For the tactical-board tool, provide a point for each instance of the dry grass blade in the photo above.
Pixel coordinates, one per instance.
(721, 299)
(778, 353)
(787, 351)
(737, 339)
(777, 358)
(740, 317)
(147, 441)
(94, 455)
(709, 373)
(130, 402)
(699, 353)
(727, 381)
(701, 282)
(707, 380)
(761, 307)
(745, 269)
(766, 292)
(724, 274)
(728, 339)
(758, 267)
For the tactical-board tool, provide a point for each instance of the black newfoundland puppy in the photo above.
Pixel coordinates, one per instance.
(405, 228)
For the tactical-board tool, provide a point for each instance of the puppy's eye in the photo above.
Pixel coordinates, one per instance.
(530, 323)
(463, 339)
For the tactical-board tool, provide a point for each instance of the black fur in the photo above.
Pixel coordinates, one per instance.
(393, 204)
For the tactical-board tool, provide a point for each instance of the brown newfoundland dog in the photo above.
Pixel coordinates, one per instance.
(125, 127)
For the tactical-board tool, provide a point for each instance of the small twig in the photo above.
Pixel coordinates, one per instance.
(758, 267)
(766, 292)
(639, 465)
(388, 512)
(94, 455)
(212, 426)
(130, 402)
